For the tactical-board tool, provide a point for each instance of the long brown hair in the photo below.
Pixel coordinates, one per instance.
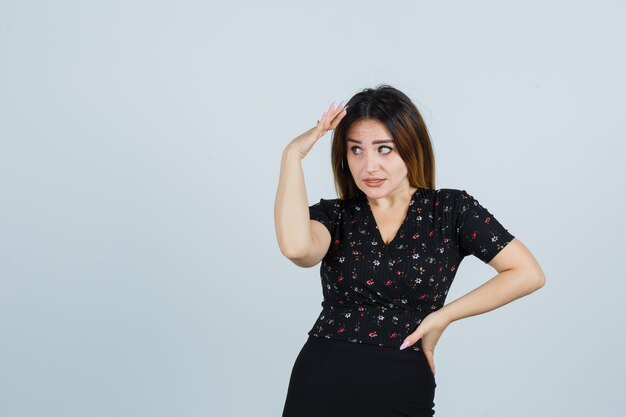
(404, 122)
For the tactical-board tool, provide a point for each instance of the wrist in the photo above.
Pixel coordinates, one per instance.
(291, 151)
(444, 315)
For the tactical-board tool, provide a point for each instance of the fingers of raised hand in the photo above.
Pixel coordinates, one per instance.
(338, 114)
(329, 119)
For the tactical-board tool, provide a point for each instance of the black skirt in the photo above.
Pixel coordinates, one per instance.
(337, 378)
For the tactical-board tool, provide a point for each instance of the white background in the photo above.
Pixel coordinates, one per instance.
(140, 146)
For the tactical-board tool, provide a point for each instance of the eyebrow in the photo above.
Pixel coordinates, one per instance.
(373, 142)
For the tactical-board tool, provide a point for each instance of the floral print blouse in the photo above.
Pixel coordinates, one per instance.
(378, 293)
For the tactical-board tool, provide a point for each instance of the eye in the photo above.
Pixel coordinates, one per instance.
(354, 148)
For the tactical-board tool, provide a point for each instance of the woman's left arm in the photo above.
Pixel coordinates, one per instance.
(519, 274)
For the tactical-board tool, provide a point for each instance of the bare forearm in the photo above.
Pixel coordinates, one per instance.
(505, 287)
(291, 212)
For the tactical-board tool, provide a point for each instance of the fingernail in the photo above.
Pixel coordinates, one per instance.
(405, 344)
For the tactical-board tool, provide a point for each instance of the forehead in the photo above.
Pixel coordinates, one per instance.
(368, 131)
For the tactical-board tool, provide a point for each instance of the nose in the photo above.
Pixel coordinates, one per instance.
(372, 162)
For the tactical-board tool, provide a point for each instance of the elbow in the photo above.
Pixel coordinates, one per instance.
(540, 277)
(540, 280)
(290, 248)
(293, 252)
(299, 259)
(536, 279)
(529, 280)
(533, 276)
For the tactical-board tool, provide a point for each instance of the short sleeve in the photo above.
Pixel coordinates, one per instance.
(325, 212)
(479, 233)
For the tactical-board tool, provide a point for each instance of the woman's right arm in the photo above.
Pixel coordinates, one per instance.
(303, 241)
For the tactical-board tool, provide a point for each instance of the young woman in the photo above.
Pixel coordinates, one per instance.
(390, 247)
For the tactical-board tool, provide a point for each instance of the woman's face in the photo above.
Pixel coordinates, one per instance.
(371, 153)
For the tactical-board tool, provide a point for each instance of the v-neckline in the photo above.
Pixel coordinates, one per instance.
(402, 225)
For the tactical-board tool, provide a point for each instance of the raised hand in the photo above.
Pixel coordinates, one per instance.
(330, 119)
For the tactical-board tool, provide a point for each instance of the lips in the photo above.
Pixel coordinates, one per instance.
(374, 182)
